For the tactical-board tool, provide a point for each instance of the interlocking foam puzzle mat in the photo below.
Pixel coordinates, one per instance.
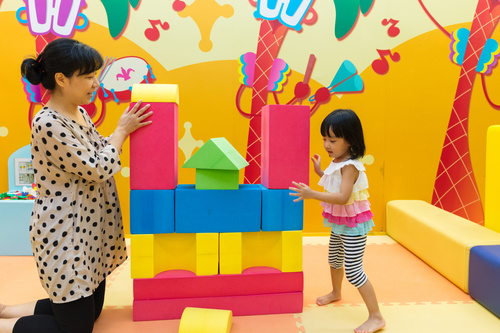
(412, 296)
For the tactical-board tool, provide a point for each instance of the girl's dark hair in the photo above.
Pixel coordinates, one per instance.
(62, 55)
(345, 124)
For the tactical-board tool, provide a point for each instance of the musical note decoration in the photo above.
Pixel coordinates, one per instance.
(381, 65)
(489, 55)
(277, 77)
(153, 33)
(346, 14)
(346, 80)
(117, 12)
(393, 31)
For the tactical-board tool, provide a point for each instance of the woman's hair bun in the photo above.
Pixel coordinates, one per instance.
(32, 70)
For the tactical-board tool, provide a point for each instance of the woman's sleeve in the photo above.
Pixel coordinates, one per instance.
(70, 154)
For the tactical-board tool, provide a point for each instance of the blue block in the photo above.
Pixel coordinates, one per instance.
(198, 211)
(152, 211)
(484, 276)
(279, 212)
(15, 218)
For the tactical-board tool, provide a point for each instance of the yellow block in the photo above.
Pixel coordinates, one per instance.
(441, 239)
(207, 253)
(196, 320)
(142, 256)
(492, 181)
(175, 251)
(230, 253)
(278, 249)
(150, 93)
(291, 245)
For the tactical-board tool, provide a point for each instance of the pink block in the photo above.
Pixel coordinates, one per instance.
(185, 284)
(153, 150)
(249, 305)
(285, 145)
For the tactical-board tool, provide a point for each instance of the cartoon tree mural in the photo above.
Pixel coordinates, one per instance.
(279, 16)
(455, 188)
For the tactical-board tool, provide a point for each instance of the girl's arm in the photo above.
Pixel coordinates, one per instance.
(349, 176)
(316, 159)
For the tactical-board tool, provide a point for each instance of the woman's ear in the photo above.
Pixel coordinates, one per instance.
(60, 79)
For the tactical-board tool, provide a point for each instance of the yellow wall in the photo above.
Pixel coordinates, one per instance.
(404, 113)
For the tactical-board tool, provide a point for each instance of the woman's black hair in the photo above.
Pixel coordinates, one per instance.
(345, 124)
(62, 55)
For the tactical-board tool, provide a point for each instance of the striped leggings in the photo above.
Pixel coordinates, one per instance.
(351, 250)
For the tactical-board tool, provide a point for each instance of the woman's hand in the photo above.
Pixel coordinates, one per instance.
(303, 191)
(133, 119)
(316, 159)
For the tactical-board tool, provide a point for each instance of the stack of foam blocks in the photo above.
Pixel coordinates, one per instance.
(216, 244)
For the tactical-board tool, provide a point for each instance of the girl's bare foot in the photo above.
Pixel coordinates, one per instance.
(373, 324)
(2, 307)
(328, 298)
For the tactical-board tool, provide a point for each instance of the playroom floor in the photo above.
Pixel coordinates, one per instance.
(412, 296)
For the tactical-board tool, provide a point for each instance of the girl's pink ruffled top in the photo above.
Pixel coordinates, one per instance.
(357, 209)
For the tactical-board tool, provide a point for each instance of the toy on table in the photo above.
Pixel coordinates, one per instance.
(26, 194)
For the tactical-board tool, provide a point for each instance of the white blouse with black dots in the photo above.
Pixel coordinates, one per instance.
(76, 226)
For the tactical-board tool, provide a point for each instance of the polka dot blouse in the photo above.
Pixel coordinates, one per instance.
(76, 226)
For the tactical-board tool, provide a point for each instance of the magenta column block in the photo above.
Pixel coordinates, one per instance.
(154, 148)
(285, 145)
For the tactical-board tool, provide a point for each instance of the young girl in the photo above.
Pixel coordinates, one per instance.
(345, 209)
(76, 226)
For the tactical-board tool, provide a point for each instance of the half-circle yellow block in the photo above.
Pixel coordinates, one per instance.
(151, 93)
(197, 320)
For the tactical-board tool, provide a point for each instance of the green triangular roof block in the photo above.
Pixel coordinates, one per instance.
(216, 154)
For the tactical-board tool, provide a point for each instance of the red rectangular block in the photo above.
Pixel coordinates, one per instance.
(185, 284)
(154, 150)
(248, 305)
(285, 145)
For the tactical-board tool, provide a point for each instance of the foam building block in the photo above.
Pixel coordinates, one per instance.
(247, 305)
(492, 179)
(442, 239)
(142, 256)
(15, 218)
(185, 284)
(279, 249)
(151, 211)
(198, 211)
(230, 253)
(217, 165)
(285, 145)
(154, 148)
(279, 212)
(207, 253)
(153, 254)
(484, 276)
(197, 320)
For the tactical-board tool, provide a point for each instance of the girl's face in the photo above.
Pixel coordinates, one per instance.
(81, 88)
(337, 148)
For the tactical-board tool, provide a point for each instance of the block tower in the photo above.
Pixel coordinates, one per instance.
(215, 244)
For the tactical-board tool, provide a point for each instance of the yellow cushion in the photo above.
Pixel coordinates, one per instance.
(441, 239)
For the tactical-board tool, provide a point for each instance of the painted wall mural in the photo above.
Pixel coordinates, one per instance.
(396, 65)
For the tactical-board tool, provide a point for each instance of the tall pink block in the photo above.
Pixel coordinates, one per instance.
(154, 150)
(285, 145)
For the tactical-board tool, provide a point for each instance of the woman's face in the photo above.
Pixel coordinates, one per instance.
(81, 88)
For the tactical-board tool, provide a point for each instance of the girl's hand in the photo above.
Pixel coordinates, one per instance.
(133, 119)
(303, 191)
(316, 159)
